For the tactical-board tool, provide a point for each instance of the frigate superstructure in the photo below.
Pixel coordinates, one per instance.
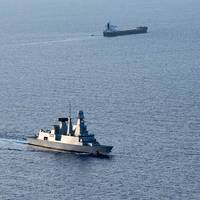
(69, 137)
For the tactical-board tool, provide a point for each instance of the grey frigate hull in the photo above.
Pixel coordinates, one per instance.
(97, 150)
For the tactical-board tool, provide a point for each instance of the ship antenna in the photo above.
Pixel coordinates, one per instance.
(69, 109)
(69, 127)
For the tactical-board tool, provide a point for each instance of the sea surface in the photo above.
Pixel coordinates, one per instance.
(140, 93)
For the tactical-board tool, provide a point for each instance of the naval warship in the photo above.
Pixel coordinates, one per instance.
(68, 137)
(111, 31)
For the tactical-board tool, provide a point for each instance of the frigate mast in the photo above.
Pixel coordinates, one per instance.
(69, 125)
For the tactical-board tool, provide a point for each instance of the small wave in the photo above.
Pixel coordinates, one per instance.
(49, 42)
(14, 149)
(13, 140)
(7, 144)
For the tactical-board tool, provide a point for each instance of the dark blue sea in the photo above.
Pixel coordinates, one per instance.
(140, 93)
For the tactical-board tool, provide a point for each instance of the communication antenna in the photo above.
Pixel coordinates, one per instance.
(69, 109)
(69, 127)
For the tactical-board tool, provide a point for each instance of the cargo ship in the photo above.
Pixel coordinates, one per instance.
(111, 31)
(68, 137)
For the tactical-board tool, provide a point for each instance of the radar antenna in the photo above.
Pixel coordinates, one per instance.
(69, 109)
(69, 127)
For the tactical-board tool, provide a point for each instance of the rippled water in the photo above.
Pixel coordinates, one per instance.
(140, 93)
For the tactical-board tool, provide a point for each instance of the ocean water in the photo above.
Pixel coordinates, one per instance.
(140, 93)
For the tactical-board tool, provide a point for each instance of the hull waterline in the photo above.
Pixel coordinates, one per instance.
(96, 150)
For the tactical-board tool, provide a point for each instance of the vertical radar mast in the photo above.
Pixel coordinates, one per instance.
(69, 127)
(69, 109)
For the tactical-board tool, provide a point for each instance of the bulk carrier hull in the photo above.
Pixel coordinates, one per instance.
(137, 30)
(96, 150)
